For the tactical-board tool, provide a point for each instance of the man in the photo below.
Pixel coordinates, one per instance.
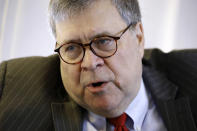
(101, 46)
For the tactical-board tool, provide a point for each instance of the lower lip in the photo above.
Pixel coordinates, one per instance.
(97, 89)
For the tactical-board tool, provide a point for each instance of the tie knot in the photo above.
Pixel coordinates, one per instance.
(118, 121)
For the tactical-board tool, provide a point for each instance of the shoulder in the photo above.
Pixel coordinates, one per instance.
(30, 61)
(28, 86)
(21, 65)
(156, 56)
(182, 61)
(179, 67)
(36, 72)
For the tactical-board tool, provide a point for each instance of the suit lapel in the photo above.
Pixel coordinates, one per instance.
(67, 116)
(176, 112)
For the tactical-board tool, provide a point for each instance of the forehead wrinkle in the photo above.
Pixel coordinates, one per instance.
(80, 37)
(87, 37)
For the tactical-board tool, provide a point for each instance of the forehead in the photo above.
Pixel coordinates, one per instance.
(100, 17)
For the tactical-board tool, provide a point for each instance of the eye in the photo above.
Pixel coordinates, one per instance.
(104, 41)
(70, 48)
(71, 51)
(104, 44)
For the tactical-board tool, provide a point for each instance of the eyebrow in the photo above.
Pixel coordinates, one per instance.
(102, 34)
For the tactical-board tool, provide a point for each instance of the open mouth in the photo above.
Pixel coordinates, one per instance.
(97, 84)
(97, 87)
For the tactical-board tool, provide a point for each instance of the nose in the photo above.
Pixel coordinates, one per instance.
(91, 61)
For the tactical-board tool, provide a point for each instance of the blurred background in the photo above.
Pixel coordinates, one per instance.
(24, 28)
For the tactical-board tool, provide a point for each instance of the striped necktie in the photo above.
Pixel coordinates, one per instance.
(119, 122)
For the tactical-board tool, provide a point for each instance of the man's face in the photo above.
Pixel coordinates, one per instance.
(119, 74)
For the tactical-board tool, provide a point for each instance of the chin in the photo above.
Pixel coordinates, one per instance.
(108, 113)
(106, 109)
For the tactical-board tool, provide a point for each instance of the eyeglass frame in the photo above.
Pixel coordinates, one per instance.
(90, 43)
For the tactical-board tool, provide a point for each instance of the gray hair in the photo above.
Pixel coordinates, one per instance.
(61, 9)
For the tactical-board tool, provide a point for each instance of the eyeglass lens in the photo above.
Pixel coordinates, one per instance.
(73, 52)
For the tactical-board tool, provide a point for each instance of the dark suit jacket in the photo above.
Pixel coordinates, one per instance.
(32, 96)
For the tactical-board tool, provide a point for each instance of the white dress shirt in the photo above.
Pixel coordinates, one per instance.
(142, 113)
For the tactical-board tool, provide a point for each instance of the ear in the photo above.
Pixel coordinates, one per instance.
(140, 36)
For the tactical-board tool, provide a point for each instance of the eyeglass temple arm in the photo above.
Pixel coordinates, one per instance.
(127, 28)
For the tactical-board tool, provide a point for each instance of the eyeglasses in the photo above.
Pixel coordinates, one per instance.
(103, 46)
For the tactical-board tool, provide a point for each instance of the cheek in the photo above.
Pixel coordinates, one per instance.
(125, 69)
(126, 60)
(70, 75)
(126, 65)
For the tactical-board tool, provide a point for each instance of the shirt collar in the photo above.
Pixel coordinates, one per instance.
(99, 122)
(138, 108)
